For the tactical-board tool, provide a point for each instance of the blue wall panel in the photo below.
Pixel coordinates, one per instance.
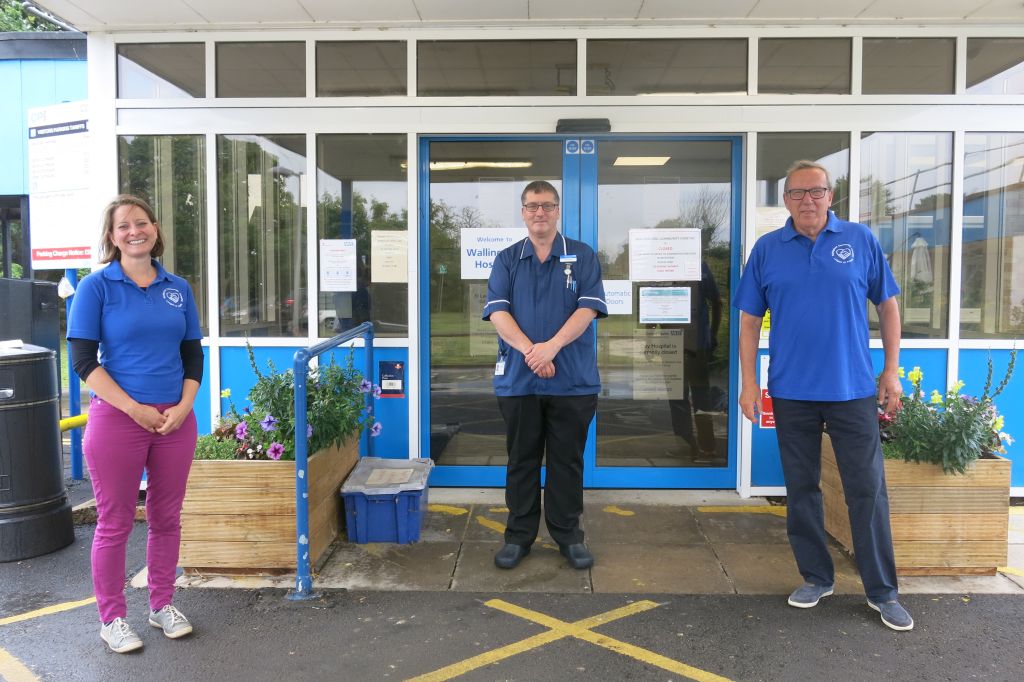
(973, 369)
(202, 404)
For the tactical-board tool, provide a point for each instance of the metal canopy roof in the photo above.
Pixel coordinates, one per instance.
(150, 15)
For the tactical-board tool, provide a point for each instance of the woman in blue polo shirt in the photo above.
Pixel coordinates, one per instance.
(144, 323)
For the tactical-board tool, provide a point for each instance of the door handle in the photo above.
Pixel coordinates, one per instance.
(6, 393)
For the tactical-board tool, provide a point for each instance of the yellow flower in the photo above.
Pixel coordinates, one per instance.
(936, 398)
(226, 393)
(900, 373)
(957, 386)
(915, 375)
(997, 425)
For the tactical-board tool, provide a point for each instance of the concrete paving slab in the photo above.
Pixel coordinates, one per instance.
(770, 569)
(742, 528)
(445, 522)
(487, 524)
(641, 524)
(544, 570)
(962, 584)
(692, 569)
(383, 566)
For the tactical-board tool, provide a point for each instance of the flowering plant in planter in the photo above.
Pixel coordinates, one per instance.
(951, 429)
(265, 429)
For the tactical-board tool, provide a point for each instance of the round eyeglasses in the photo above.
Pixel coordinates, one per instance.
(798, 194)
(547, 206)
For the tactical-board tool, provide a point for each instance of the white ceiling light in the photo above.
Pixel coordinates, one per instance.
(641, 160)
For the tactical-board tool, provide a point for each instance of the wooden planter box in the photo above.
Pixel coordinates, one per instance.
(941, 524)
(240, 514)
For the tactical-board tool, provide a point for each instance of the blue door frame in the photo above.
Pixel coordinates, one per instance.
(579, 221)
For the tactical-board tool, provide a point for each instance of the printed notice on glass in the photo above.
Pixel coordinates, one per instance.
(664, 305)
(768, 219)
(389, 256)
(618, 295)
(59, 186)
(670, 255)
(480, 245)
(658, 365)
(337, 265)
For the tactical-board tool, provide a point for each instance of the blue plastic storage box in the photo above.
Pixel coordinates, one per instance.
(385, 499)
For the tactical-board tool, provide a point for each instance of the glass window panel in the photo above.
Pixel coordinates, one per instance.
(161, 70)
(905, 194)
(360, 69)
(995, 66)
(662, 67)
(776, 152)
(496, 67)
(798, 66)
(271, 69)
(908, 66)
(362, 195)
(992, 287)
(472, 185)
(664, 386)
(262, 234)
(169, 172)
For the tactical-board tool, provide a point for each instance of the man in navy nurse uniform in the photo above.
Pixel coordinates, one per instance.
(542, 296)
(816, 275)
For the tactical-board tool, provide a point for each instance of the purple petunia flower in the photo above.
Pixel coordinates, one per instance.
(309, 431)
(275, 451)
(376, 429)
(269, 423)
(241, 431)
(376, 391)
(365, 386)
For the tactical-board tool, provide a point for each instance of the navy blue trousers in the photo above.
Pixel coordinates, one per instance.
(556, 426)
(853, 427)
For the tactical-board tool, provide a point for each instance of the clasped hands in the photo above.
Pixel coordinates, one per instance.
(155, 421)
(540, 359)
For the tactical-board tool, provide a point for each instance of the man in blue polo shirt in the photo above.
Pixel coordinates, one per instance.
(542, 295)
(816, 275)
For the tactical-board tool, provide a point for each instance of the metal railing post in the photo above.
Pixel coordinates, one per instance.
(303, 569)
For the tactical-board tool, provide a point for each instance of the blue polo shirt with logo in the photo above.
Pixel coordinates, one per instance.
(536, 296)
(139, 330)
(817, 293)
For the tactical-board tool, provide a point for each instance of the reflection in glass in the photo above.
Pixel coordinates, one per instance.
(995, 66)
(905, 195)
(664, 67)
(270, 69)
(776, 152)
(992, 290)
(908, 66)
(262, 234)
(475, 68)
(473, 185)
(360, 68)
(161, 70)
(790, 66)
(169, 172)
(664, 399)
(361, 195)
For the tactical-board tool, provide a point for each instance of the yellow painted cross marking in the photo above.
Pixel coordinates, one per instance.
(1008, 570)
(612, 509)
(498, 510)
(489, 523)
(56, 608)
(559, 629)
(12, 670)
(447, 509)
(773, 510)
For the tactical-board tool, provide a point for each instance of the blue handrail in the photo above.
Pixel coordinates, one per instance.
(303, 574)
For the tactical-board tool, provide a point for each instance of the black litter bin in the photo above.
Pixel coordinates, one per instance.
(35, 515)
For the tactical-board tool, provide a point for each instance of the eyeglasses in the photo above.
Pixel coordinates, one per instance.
(548, 207)
(798, 194)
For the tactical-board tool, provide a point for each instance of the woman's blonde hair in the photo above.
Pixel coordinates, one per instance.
(109, 252)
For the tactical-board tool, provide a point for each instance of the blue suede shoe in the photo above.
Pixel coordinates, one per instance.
(893, 615)
(808, 595)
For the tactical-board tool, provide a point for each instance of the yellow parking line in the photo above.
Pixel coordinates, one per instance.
(773, 510)
(619, 511)
(559, 629)
(447, 509)
(489, 523)
(1008, 570)
(12, 670)
(46, 611)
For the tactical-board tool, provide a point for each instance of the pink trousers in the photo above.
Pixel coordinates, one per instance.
(117, 450)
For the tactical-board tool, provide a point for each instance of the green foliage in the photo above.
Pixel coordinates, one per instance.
(335, 409)
(14, 19)
(951, 429)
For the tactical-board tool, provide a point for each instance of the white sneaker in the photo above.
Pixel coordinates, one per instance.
(120, 637)
(171, 620)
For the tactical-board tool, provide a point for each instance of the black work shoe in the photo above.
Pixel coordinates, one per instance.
(510, 555)
(578, 555)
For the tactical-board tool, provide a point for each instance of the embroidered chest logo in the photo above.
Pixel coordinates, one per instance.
(843, 253)
(174, 298)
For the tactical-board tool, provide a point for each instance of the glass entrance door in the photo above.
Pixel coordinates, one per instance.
(664, 414)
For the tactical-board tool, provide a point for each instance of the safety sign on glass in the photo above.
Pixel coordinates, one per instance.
(572, 146)
(587, 147)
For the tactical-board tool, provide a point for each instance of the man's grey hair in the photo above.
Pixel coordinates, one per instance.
(806, 164)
